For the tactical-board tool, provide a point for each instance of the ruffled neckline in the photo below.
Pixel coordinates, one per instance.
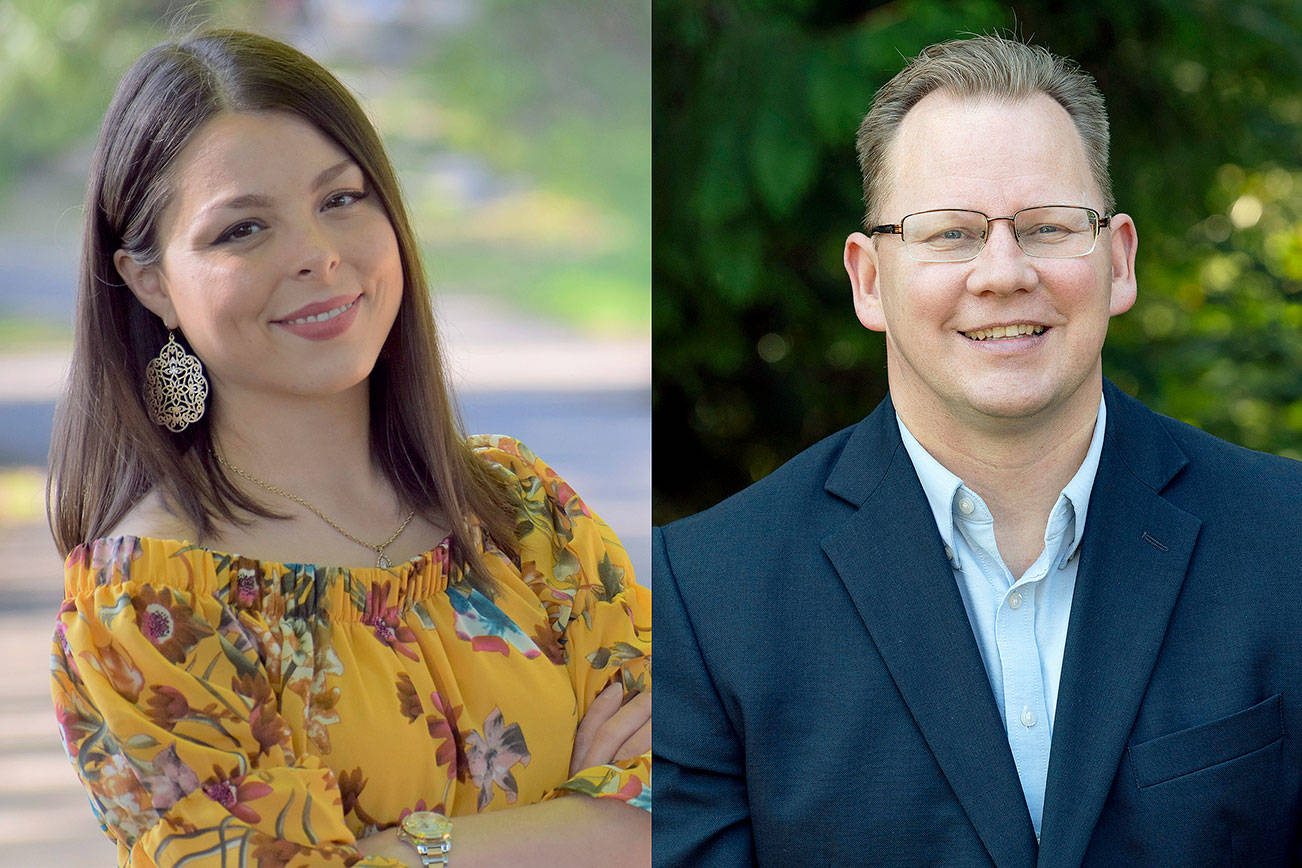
(128, 542)
(352, 593)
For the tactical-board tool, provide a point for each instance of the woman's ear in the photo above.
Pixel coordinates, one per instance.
(147, 285)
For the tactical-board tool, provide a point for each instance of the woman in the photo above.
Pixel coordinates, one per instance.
(256, 372)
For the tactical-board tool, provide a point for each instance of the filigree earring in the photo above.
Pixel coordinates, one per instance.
(175, 387)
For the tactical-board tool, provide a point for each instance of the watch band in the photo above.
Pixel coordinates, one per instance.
(434, 852)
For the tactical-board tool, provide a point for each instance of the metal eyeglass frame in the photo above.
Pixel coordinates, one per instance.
(1099, 222)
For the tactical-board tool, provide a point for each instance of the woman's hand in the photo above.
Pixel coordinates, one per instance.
(574, 831)
(613, 729)
(388, 845)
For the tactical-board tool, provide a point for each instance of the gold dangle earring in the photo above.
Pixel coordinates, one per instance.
(175, 387)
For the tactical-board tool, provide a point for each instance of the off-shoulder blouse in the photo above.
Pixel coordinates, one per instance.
(227, 711)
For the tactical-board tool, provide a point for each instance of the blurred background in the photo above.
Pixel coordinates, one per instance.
(521, 135)
(757, 350)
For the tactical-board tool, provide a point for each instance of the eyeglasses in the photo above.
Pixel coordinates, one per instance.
(952, 235)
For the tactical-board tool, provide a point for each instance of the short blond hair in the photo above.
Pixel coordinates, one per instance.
(983, 66)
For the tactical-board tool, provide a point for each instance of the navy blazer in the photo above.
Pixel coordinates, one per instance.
(820, 699)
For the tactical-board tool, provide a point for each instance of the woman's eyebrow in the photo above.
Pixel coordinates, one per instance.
(247, 200)
(329, 174)
(258, 200)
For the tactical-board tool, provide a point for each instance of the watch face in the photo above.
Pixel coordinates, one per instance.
(427, 825)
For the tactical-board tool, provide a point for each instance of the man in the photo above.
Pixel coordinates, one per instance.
(1012, 616)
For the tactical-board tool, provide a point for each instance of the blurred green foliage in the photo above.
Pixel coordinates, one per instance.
(60, 61)
(757, 350)
(554, 99)
(561, 96)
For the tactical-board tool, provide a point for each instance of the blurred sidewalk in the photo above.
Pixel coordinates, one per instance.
(582, 405)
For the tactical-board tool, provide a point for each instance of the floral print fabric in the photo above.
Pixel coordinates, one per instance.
(226, 711)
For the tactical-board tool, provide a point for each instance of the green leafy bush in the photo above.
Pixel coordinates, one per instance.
(757, 350)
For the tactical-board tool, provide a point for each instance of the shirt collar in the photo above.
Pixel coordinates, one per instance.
(940, 485)
(1082, 484)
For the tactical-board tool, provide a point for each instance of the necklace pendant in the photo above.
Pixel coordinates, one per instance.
(381, 561)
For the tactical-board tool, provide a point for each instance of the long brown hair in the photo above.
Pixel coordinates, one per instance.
(106, 454)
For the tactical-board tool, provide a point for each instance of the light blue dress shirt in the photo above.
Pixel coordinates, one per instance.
(1020, 623)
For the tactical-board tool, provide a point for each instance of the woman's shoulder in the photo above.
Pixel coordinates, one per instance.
(150, 518)
(512, 462)
(128, 563)
(504, 452)
(149, 544)
(572, 561)
(518, 466)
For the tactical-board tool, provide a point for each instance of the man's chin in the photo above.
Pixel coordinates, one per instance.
(1013, 408)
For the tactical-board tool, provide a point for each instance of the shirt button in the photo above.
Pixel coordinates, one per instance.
(949, 553)
(966, 506)
(1028, 718)
(1015, 600)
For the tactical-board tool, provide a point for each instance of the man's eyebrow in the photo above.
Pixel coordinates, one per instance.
(257, 200)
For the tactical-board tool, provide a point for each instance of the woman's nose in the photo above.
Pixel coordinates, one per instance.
(318, 254)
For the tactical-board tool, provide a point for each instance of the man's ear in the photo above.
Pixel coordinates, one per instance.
(146, 284)
(861, 265)
(1125, 241)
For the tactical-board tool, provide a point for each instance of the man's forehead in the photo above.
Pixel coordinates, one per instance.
(946, 119)
(955, 145)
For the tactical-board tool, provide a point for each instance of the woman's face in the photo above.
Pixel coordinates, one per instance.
(278, 262)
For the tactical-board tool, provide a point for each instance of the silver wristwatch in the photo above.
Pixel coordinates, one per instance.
(430, 834)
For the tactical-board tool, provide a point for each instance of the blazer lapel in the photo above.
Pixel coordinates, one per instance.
(890, 557)
(1133, 561)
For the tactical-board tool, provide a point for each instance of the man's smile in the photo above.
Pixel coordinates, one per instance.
(998, 332)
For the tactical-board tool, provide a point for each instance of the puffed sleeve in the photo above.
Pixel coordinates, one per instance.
(600, 615)
(169, 717)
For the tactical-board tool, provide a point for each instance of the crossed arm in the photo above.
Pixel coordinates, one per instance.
(572, 830)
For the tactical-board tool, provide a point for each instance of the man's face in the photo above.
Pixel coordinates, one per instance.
(995, 157)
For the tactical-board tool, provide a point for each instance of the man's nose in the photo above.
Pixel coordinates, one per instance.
(1002, 266)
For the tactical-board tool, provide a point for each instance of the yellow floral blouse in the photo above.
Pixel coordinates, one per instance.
(227, 711)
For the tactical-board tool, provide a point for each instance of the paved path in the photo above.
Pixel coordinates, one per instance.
(44, 817)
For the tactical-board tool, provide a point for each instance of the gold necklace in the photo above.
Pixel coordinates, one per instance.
(381, 560)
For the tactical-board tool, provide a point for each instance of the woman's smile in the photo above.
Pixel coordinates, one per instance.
(321, 321)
